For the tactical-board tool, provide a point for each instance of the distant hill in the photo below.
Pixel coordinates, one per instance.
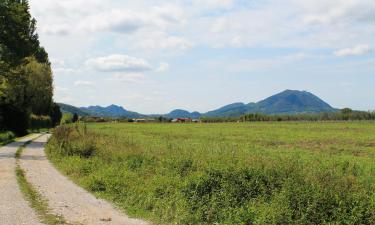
(179, 113)
(231, 110)
(65, 108)
(110, 111)
(286, 102)
(292, 102)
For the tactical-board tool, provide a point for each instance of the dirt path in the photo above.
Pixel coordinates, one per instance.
(14, 210)
(64, 197)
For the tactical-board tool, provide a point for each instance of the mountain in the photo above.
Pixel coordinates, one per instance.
(65, 108)
(179, 113)
(231, 110)
(286, 102)
(292, 102)
(110, 111)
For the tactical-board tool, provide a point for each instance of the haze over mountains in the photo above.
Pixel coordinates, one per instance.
(286, 102)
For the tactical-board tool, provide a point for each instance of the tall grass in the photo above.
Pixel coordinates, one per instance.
(256, 173)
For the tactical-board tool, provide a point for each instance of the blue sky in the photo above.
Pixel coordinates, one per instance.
(155, 56)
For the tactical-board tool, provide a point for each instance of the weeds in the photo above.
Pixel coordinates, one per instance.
(259, 173)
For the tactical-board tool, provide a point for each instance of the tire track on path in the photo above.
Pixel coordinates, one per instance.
(14, 209)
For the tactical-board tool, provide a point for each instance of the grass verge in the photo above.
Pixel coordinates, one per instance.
(36, 201)
(6, 138)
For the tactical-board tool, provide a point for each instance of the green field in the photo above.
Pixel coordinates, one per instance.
(236, 173)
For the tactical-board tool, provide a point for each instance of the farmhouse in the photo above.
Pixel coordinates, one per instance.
(182, 120)
(143, 120)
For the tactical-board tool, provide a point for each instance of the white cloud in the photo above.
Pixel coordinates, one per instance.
(63, 94)
(70, 17)
(115, 20)
(137, 78)
(57, 62)
(214, 3)
(355, 51)
(113, 63)
(159, 40)
(63, 70)
(56, 29)
(83, 83)
(163, 67)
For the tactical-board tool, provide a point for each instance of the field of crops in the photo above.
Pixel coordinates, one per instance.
(245, 173)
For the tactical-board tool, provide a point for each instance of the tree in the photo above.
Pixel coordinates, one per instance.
(39, 89)
(18, 35)
(75, 118)
(55, 114)
(346, 111)
(25, 73)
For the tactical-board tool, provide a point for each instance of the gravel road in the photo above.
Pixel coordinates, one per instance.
(64, 197)
(14, 209)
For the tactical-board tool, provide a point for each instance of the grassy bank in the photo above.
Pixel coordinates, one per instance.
(254, 173)
(6, 137)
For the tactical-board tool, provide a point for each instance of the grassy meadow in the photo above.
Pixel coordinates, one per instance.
(228, 173)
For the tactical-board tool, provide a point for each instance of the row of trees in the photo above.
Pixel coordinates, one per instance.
(26, 82)
(342, 115)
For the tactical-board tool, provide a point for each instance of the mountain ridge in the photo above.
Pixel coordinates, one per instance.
(286, 102)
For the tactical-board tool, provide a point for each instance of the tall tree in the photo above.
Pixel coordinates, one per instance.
(25, 73)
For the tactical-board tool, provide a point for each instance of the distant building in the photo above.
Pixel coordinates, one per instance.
(144, 120)
(182, 120)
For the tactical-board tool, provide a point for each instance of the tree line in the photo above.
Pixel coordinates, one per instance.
(342, 115)
(26, 81)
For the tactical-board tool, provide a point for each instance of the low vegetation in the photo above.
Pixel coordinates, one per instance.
(246, 173)
(6, 137)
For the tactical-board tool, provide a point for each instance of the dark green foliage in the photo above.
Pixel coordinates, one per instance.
(25, 73)
(337, 116)
(18, 37)
(16, 119)
(75, 118)
(55, 114)
(6, 137)
(40, 122)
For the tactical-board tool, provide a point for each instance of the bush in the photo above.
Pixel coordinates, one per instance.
(74, 141)
(6, 137)
(66, 118)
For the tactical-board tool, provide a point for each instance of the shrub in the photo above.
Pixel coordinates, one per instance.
(6, 137)
(74, 141)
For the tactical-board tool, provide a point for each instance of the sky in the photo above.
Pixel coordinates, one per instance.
(155, 56)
